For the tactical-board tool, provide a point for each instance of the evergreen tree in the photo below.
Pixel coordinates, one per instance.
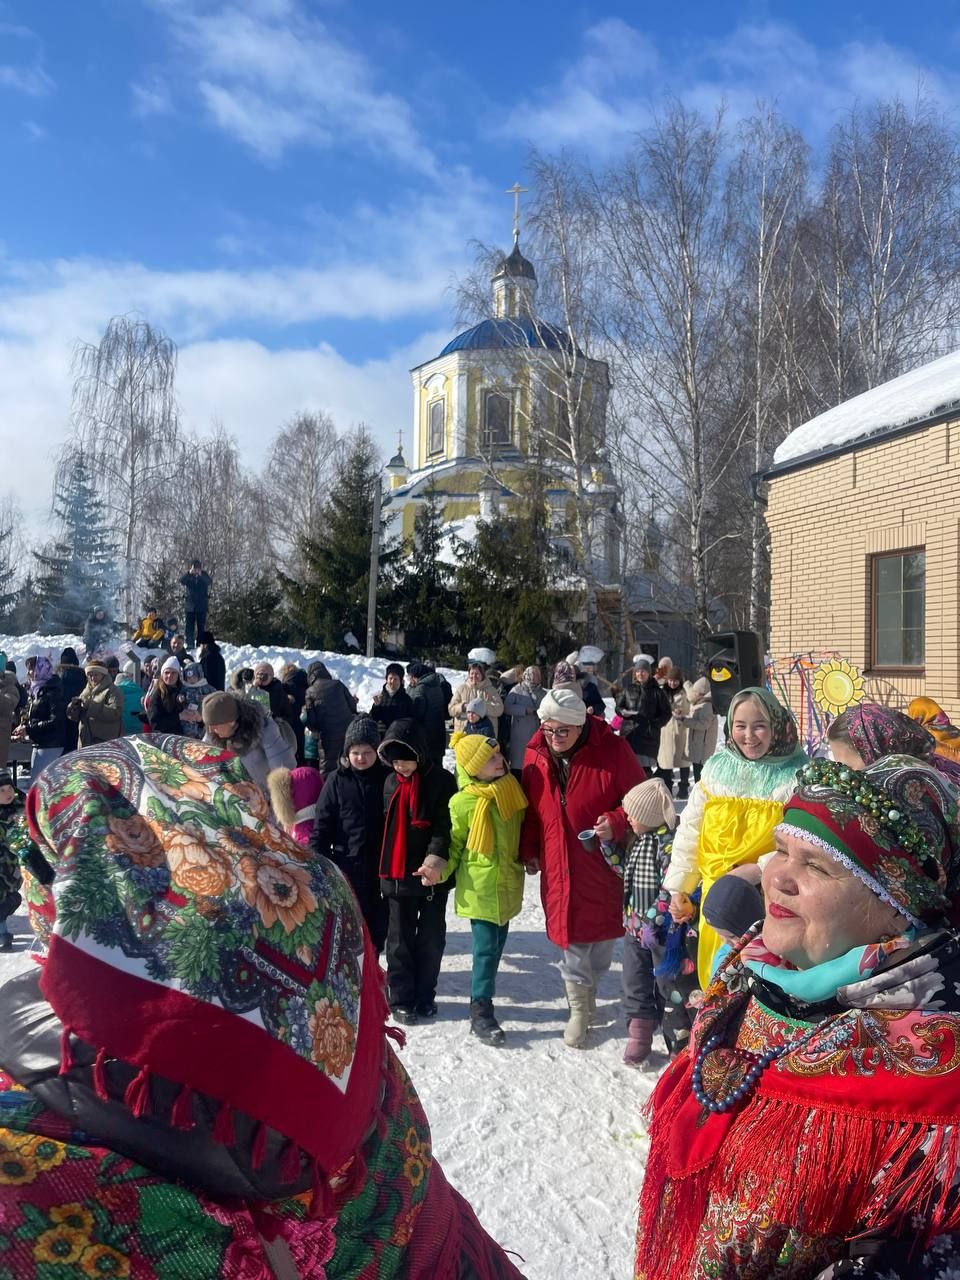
(252, 614)
(424, 605)
(163, 591)
(78, 572)
(8, 596)
(518, 593)
(330, 597)
(27, 608)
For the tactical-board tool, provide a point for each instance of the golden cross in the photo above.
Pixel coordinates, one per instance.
(516, 191)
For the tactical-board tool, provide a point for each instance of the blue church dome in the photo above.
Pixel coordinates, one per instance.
(512, 331)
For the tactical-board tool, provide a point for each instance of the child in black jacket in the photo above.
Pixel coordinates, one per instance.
(348, 827)
(417, 806)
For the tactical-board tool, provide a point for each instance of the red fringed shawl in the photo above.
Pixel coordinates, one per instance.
(856, 1131)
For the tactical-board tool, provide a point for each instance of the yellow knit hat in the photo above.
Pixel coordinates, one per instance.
(473, 751)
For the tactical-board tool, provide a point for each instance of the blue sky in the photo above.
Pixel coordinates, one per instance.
(288, 187)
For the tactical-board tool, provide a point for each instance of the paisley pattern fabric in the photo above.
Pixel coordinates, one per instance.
(849, 1132)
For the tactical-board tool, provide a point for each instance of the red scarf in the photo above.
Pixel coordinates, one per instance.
(403, 806)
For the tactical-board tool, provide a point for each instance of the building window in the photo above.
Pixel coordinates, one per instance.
(436, 426)
(898, 610)
(497, 419)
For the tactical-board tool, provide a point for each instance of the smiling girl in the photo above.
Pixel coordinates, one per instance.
(733, 810)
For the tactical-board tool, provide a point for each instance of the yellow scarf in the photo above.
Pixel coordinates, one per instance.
(508, 796)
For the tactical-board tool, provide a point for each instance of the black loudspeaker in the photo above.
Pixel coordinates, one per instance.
(734, 662)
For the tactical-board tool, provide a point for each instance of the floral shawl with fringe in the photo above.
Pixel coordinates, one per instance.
(855, 1131)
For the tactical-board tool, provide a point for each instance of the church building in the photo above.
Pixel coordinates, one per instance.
(497, 396)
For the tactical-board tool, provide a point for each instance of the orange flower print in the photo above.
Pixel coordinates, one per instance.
(405, 1224)
(60, 1244)
(413, 1170)
(100, 1260)
(194, 866)
(137, 839)
(250, 795)
(74, 1216)
(237, 841)
(279, 889)
(333, 1037)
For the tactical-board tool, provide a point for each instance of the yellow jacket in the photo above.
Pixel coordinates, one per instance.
(149, 631)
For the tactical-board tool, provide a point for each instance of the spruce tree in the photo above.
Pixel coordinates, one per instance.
(8, 596)
(27, 608)
(252, 613)
(330, 597)
(424, 605)
(78, 572)
(518, 593)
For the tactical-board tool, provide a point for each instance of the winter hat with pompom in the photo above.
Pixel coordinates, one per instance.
(293, 795)
(650, 805)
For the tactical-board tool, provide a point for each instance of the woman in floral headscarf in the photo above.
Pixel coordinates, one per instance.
(864, 733)
(197, 1083)
(733, 809)
(811, 1131)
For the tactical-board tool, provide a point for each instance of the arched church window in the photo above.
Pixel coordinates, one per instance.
(436, 442)
(497, 419)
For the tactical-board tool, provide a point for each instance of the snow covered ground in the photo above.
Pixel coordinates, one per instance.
(546, 1142)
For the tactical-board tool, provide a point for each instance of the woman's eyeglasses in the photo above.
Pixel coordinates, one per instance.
(559, 734)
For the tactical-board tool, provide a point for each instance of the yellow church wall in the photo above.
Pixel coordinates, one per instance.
(426, 398)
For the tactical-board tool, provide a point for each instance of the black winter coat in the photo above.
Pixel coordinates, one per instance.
(159, 717)
(645, 711)
(430, 713)
(348, 828)
(392, 706)
(214, 667)
(280, 706)
(47, 715)
(429, 830)
(73, 682)
(330, 707)
(196, 591)
(295, 687)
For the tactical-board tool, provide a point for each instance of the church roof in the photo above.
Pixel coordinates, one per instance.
(510, 331)
(515, 265)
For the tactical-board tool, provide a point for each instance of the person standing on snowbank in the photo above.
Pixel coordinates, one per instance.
(485, 819)
(196, 583)
(575, 775)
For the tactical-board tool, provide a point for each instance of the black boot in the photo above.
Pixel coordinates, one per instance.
(6, 941)
(483, 1024)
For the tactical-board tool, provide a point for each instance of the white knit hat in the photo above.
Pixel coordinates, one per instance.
(563, 705)
(650, 805)
(171, 664)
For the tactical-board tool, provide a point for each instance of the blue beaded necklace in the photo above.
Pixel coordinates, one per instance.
(749, 1081)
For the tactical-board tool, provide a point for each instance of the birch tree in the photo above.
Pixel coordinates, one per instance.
(126, 417)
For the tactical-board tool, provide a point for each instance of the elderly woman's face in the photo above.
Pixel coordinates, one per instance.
(817, 909)
(846, 754)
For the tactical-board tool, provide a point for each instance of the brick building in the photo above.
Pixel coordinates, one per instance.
(864, 518)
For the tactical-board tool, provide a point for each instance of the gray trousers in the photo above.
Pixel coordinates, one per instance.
(41, 757)
(586, 962)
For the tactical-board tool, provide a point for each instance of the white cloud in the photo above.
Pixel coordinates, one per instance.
(151, 97)
(22, 75)
(273, 76)
(612, 88)
(35, 130)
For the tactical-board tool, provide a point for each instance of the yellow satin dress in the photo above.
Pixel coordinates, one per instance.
(735, 830)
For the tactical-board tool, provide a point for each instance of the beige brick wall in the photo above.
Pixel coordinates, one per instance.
(825, 522)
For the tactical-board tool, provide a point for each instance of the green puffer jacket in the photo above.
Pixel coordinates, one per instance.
(486, 888)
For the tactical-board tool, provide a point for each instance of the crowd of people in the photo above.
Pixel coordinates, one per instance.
(788, 922)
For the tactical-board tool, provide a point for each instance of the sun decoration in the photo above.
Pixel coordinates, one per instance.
(837, 685)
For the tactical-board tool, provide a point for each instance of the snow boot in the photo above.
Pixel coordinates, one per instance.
(578, 998)
(483, 1022)
(639, 1041)
(6, 941)
(592, 1005)
(404, 1015)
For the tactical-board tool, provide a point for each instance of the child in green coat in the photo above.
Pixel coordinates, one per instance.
(485, 817)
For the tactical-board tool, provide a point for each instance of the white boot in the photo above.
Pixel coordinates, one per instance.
(578, 998)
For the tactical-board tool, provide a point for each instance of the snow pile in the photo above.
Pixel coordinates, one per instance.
(933, 388)
(362, 676)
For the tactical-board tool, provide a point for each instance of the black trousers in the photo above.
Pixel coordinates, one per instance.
(416, 937)
(195, 622)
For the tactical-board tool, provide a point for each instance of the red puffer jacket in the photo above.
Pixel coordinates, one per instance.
(582, 897)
